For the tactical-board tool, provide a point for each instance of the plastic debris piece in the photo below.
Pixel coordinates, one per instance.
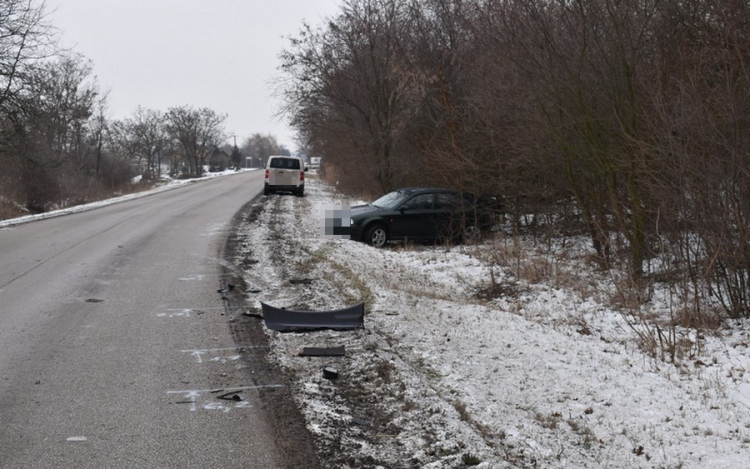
(330, 372)
(231, 396)
(323, 351)
(229, 287)
(301, 281)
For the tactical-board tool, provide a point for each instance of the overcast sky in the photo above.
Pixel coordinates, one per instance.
(220, 54)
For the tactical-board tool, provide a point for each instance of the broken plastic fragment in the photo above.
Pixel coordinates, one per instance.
(330, 372)
(323, 351)
(227, 288)
(301, 281)
(231, 396)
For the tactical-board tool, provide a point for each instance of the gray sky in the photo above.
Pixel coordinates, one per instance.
(220, 54)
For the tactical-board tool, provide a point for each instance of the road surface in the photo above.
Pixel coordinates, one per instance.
(116, 348)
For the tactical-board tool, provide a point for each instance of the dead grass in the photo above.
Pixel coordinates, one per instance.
(588, 437)
(498, 289)
(550, 422)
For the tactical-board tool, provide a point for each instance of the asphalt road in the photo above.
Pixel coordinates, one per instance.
(115, 345)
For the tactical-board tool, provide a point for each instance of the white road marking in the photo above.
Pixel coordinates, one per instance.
(224, 360)
(192, 278)
(184, 312)
(175, 313)
(198, 353)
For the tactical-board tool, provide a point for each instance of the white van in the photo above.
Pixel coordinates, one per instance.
(285, 173)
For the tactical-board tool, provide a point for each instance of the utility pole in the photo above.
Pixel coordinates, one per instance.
(236, 157)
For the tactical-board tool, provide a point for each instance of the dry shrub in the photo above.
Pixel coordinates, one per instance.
(10, 210)
(497, 289)
(535, 269)
(627, 295)
(79, 192)
(557, 267)
(550, 422)
(695, 316)
(666, 343)
(10, 193)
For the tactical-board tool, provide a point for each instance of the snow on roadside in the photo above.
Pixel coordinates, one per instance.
(168, 184)
(444, 375)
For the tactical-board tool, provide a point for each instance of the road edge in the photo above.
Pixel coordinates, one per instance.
(295, 443)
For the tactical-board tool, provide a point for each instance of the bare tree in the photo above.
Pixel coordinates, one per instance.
(25, 39)
(345, 90)
(148, 129)
(198, 132)
(54, 126)
(259, 147)
(699, 116)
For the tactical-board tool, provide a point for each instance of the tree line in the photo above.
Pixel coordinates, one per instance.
(58, 147)
(629, 118)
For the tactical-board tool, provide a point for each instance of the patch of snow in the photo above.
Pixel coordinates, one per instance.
(168, 184)
(501, 354)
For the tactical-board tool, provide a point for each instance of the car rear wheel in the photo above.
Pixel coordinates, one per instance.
(472, 233)
(376, 236)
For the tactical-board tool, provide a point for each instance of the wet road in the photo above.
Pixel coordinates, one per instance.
(114, 342)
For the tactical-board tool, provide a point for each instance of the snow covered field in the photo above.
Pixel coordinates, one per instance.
(506, 354)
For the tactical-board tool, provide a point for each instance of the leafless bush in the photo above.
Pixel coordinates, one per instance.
(626, 118)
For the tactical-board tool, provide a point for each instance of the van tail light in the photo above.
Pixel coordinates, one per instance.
(302, 176)
(266, 174)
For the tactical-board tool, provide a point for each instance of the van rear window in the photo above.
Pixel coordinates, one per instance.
(285, 163)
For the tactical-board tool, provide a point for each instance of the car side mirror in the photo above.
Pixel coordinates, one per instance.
(305, 170)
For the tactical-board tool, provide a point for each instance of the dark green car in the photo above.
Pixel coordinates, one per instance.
(417, 213)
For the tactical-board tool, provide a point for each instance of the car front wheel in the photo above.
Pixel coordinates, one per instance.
(376, 236)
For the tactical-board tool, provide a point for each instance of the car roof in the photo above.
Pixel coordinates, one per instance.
(413, 190)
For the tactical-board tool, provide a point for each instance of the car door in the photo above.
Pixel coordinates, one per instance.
(415, 218)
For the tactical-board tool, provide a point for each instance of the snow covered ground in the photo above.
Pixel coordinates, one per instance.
(506, 354)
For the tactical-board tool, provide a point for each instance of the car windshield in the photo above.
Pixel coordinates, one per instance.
(390, 200)
(285, 163)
